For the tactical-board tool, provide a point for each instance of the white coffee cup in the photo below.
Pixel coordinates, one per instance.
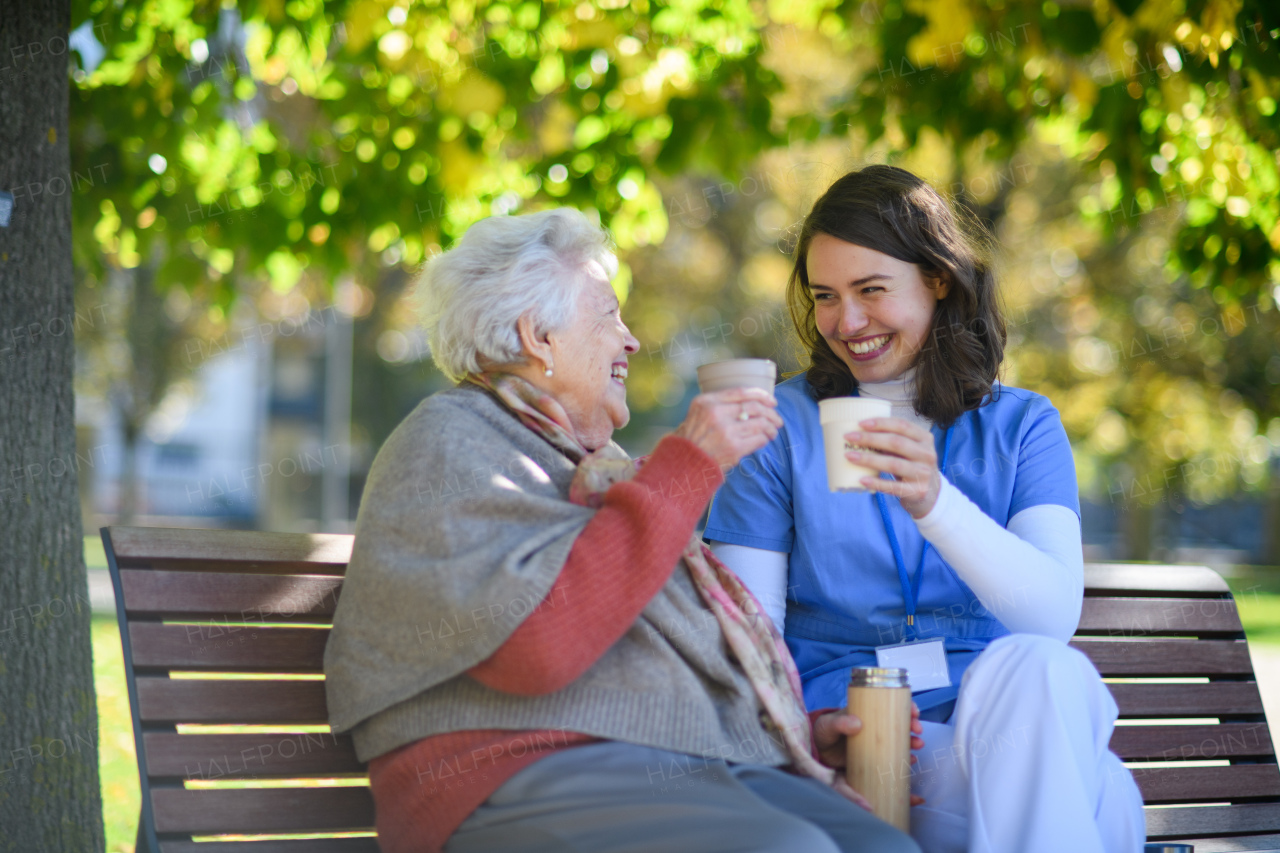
(840, 415)
(737, 373)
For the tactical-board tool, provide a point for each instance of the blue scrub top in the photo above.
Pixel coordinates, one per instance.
(843, 595)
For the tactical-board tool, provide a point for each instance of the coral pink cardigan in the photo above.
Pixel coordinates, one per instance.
(424, 790)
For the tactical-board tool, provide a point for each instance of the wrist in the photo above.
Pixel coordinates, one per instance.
(938, 509)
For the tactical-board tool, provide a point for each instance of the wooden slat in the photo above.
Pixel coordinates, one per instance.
(173, 543)
(228, 595)
(1239, 844)
(249, 810)
(180, 700)
(1192, 742)
(1167, 657)
(1138, 617)
(297, 845)
(1113, 577)
(219, 757)
(1213, 820)
(1216, 699)
(215, 647)
(1207, 784)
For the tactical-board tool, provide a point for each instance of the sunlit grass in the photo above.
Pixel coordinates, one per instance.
(117, 762)
(1260, 613)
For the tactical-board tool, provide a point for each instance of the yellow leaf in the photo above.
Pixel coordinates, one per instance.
(941, 43)
(1084, 89)
(460, 167)
(555, 131)
(587, 34)
(473, 93)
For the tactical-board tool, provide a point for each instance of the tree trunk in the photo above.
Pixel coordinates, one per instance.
(1137, 523)
(127, 506)
(49, 794)
(1271, 547)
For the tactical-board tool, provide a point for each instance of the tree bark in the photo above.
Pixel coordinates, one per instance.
(49, 793)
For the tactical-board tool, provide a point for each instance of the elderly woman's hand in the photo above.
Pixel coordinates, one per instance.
(831, 733)
(716, 425)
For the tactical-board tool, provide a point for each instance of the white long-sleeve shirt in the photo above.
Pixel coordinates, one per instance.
(1029, 575)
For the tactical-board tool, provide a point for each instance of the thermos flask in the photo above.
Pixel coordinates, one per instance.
(879, 758)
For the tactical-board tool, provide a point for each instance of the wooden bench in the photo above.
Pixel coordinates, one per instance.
(193, 604)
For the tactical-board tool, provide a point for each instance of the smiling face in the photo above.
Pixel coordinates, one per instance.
(873, 310)
(589, 358)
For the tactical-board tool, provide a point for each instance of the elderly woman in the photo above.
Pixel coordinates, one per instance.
(532, 650)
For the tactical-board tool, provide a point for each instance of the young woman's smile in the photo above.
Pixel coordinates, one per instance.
(873, 310)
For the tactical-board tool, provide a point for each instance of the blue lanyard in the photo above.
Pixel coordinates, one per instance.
(910, 591)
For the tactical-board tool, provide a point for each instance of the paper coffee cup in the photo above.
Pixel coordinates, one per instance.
(737, 373)
(838, 416)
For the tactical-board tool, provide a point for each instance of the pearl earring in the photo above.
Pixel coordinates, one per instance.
(547, 372)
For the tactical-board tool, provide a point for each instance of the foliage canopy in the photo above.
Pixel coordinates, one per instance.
(274, 140)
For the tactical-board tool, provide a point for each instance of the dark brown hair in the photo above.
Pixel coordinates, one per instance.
(890, 210)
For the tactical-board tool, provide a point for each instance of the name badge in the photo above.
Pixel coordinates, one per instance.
(925, 662)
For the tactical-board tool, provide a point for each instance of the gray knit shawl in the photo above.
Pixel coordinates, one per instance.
(463, 529)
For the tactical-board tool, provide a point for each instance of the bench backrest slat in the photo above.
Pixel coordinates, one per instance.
(309, 845)
(1129, 616)
(1186, 581)
(220, 647)
(1192, 742)
(1215, 699)
(212, 702)
(1205, 821)
(1237, 782)
(147, 544)
(261, 810)
(249, 756)
(1167, 657)
(230, 596)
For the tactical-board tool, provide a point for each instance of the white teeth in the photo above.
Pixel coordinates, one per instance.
(869, 345)
(619, 372)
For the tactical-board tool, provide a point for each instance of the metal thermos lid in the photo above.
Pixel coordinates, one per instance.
(878, 676)
(1161, 847)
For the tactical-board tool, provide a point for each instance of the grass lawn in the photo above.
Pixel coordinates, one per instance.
(1260, 613)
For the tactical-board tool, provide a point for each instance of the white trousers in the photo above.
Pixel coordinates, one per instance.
(1024, 764)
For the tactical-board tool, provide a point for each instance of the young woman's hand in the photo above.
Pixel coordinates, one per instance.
(904, 450)
(729, 425)
(831, 733)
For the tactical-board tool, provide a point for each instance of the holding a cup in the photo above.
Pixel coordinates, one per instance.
(737, 373)
(840, 416)
(745, 383)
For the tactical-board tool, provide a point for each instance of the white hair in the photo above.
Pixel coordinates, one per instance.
(503, 268)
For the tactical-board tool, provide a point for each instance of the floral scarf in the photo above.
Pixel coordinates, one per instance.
(751, 634)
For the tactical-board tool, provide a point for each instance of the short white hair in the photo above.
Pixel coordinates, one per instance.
(504, 267)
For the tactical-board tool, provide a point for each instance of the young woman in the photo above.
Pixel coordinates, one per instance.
(963, 559)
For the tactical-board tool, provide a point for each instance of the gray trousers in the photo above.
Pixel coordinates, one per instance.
(620, 798)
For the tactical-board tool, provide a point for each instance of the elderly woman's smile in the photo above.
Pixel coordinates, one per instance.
(588, 358)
